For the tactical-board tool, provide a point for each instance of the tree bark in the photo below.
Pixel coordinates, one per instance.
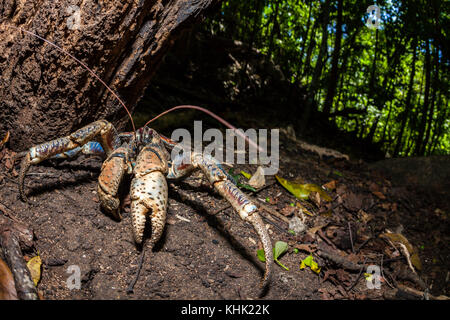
(405, 115)
(333, 78)
(433, 99)
(321, 59)
(46, 94)
(423, 120)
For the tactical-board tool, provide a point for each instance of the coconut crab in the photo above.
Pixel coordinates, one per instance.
(144, 155)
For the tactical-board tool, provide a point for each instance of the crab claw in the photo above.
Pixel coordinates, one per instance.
(113, 171)
(149, 193)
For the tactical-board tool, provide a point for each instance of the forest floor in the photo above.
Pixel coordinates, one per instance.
(208, 252)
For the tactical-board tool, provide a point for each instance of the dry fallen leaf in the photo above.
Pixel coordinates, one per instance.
(398, 238)
(365, 217)
(330, 185)
(379, 195)
(307, 247)
(315, 229)
(34, 265)
(5, 139)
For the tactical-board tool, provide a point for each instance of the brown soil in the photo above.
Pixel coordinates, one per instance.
(213, 255)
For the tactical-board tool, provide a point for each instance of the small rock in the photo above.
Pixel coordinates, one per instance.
(297, 225)
(257, 180)
(54, 262)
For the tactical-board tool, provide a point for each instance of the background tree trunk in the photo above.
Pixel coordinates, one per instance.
(45, 94)
(333, 77)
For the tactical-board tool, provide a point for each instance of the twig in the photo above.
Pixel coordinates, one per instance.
(420, 293)
(221, 209)
(10, 180)
(342, 261)
(270, 210)
(321, 235)
(8, 212)
(382, 274)
(363, 244)
(274, 224)
(351, 236)
(264, 187)
(359, 276)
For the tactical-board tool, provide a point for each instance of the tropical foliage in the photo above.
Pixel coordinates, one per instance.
(384, 79)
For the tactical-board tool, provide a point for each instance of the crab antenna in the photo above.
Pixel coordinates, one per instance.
(82, 64)
(212, 114)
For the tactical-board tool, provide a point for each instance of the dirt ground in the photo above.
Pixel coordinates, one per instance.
(208, 253)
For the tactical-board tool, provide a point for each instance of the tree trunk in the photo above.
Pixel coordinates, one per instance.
(408, 100)
(304, 38)
(333, 79)
(321, 59)
(275, 28)
(423, 120)
(46, 94)
(371, 85)
(433, 99)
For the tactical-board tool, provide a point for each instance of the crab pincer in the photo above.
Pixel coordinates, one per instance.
(149, 193)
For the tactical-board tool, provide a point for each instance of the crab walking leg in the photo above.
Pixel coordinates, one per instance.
(238, 200)
(90, 148)
(102, 129)
(112, 173)
(149, 192)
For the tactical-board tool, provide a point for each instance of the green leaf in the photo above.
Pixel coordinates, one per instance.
(245, 186)
(338, 173)
(260, 254)
(245, 174)
(302, 191)
(280, 248)
(292, 232)
(309, 262)
(296, 189)
(235, 178)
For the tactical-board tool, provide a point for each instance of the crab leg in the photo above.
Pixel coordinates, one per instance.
(213, 170)
(112, 173)
(90, 148)
(102, 129)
